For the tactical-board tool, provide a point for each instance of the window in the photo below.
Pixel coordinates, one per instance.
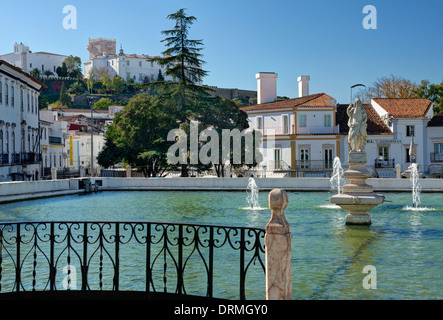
(12, 96)
(285, 120)
(277, 158)
(21, 99)
(302, 120)
(7, 141)
(1, 92)
(410, 131)
(43, 67)
(327, 120)
(30, 65)
(152, 64)
(383, 153)
(328, 158)
(408, 157)
(139, 63)
(6, 94)
(304, 158)
(28, 102)
(127, 63)
(438, 148)
(259, 123)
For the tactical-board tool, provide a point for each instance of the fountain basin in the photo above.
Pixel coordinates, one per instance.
(358, 205)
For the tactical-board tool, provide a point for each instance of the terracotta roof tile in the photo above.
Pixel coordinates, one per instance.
(405, 108)
(375, 124)
(313, 100)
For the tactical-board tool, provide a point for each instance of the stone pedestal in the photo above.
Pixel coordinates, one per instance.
(278, 249)
(128, 171)
(357, 196)
(53, 173)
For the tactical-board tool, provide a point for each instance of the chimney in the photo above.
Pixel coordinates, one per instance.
(303, 86)
(266, 87)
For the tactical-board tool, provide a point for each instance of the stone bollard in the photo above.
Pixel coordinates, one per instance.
(54, 173)
(128, 171)
(398, 171)
(278, 249)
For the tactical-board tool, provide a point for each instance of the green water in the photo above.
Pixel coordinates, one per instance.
(405, 246)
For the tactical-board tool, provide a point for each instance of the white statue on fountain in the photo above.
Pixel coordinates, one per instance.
(357, 136)
(357, 196)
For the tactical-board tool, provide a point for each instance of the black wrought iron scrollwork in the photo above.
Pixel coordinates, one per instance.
(184, 259)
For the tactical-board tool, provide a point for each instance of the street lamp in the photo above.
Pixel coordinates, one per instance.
(91, 104)
(356, 85)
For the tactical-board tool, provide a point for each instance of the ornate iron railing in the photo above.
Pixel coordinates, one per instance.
(151, 257)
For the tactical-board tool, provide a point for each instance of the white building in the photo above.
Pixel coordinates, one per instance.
(19, 124)
(407, 119)
(53, 134)
(127, 66)
(27, 60)
(300, 135)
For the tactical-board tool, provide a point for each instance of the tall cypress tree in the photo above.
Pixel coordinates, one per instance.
(65, 98)
(183, 62)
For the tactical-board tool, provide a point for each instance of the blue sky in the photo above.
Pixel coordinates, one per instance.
(321, 38)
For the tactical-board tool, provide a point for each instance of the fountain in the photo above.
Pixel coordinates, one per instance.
(416, 187)
(357, 197)
(252, 197)
(337, 175)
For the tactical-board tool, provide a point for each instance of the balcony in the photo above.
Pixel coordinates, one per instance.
(384, 164)
(436, 157)
(313, 165)
(20, 158)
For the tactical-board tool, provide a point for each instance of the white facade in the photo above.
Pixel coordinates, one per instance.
(19, 124)
(405, 128)
(26, 60)
(126, 66)
(300, 135)
(81, 150)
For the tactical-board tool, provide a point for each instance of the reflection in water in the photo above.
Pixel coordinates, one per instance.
(328, 257)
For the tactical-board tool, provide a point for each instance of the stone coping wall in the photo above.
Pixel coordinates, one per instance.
(233, 184)
(18, 190)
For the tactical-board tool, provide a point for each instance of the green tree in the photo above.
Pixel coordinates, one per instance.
(105, 79)
(433, 92)
(77, 87)
(138, 136)
(48, 73)
(62, 71)
(65, 98)
(35, 73)
(90, 81)
(183, 62)
(73, 66)
(160, 76)
(118, 84)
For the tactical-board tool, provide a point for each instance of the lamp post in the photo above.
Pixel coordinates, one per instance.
(91, 104)
(356, 85)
